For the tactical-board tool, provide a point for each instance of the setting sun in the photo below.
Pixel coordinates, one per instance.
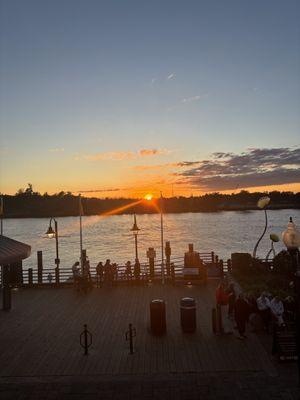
(148, 197)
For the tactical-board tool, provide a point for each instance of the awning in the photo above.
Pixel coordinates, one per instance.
(12, 251)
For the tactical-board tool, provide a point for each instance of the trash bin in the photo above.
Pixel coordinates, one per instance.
(188, 314)
(158, 317)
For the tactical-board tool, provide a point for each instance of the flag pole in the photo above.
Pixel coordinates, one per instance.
(80, 231)
(162, 240)
(1, 215)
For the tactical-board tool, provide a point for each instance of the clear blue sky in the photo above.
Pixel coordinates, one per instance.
(84, 82)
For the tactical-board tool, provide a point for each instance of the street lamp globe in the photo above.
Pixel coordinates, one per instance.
(135, 229)
(291, 236)
(50, 232)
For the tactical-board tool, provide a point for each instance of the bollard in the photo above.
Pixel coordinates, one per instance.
(129, 335)
(85, 339)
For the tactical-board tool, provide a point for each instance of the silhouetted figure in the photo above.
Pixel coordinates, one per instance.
(241, 314)
(263, 305)
(231, 300)
(277, 310)
(222, 304)
(108, 272)
(128, 271)
(137, 270)
(99, 273)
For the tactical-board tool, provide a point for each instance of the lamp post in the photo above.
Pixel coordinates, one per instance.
(262, 204)
(135, 230)
(162, 240)
(51, 234)
(291, 239)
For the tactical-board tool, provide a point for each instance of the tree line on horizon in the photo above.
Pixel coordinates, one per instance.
(28, 203)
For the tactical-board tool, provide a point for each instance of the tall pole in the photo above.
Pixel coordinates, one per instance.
(162, 240)
(56, 243)
(136, 247)
(1, 215)
(80, 230)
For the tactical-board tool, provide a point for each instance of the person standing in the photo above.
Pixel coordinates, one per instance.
(222, 300)
(231, 300)
(277, 310)
(241, 314)
(263, 305)
(99, 273)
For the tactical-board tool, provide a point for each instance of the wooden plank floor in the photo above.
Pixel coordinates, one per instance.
(40, 335)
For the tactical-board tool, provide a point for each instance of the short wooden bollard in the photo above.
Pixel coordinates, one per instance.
(86, 339)
(130, 334)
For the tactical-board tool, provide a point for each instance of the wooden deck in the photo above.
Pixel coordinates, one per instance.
(40, 335)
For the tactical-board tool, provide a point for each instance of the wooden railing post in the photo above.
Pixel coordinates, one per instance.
(216, 260)
(30, 277)
(151, 254)
(212, 257)
(221, 266)
(229, 265)
(40, 266)
(57, 276)
(168, 257)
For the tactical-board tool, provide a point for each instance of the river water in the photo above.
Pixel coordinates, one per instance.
(110, 237)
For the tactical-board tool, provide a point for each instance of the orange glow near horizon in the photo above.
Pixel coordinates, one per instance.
(148, 197)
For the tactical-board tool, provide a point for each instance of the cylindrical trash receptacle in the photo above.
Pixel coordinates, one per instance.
(188, 314)
(158, 317)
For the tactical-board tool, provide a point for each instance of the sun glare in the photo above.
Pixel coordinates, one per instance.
(148, 197)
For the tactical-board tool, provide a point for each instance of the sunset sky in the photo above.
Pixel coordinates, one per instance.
(120, 98)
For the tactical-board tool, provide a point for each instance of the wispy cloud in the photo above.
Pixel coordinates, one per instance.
(255, 167)
(191, 99)
(57, 150)
(121, 155)
(171, 76)
(99, 190)
(113, 155)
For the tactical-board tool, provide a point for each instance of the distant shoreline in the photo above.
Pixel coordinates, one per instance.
(30, 204)
(241, 209)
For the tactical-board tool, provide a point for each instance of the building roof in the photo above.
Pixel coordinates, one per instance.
(12, 251)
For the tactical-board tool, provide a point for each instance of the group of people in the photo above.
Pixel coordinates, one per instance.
(107, 272)
(237, 308)
(82, 276)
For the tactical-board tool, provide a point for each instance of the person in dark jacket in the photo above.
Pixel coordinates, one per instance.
(241, 314)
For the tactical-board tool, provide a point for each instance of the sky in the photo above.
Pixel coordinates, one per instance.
(120, 98)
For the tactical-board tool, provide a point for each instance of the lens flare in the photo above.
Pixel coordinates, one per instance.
(148, 197)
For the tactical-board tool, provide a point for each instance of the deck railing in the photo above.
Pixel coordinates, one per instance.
(173, 270)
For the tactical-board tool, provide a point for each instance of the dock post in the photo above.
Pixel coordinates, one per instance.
(85, 339)
(83, 258)
(212, 257)
(57, 276)
(168, 258)
(30, 277)
(40, 266)
(221, 265)
(229, 265)
(130, 334)
(151, 254)
(173, 273)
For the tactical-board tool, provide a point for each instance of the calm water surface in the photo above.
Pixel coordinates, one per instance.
(110, 237)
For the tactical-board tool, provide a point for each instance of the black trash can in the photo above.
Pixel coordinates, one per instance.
(158, 317)
(188, 314)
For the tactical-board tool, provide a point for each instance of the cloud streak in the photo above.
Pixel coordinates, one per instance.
(191, 99)
(171, 76)
(121, 155)
(255, 167)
